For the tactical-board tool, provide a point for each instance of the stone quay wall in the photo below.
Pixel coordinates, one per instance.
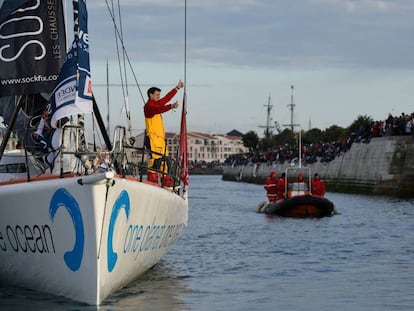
(385, 166)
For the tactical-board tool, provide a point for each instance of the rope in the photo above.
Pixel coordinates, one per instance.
(185, 47)
(126, 99)
(185, 87)
(117, 50)
(124, 49)
(123, 54)
(123, 74)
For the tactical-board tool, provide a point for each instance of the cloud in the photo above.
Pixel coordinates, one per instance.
(353, 6)
(174, 3)
(344, 57)
(309, 34)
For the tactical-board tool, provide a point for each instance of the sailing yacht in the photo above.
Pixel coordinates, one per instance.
(84, 223)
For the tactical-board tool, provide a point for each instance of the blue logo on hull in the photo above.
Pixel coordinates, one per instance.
(63, 198)
(122, 202)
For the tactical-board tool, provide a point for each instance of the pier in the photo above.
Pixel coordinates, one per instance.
(385, 166)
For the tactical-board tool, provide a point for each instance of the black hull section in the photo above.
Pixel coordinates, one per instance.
(301, 206)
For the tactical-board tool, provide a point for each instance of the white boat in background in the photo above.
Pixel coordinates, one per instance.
(13, 165)
(81, 231)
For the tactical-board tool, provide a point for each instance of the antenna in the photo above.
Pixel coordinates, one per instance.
(292, 108)
(268, 125)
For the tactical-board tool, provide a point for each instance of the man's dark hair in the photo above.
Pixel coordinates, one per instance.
(152, 90)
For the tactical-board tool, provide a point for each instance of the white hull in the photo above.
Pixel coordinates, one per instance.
(85, 237)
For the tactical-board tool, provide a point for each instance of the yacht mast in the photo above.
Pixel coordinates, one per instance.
(108, 129)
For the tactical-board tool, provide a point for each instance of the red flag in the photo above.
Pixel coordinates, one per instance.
(183, 156)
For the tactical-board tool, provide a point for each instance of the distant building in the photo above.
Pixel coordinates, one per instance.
(202, 146)
(207, 147)
(235, 133)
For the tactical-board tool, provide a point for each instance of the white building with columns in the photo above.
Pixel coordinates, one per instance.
(203, 147)
(207, 147)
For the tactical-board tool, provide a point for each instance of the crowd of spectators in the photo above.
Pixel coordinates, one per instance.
(393, 125)
(324, 151)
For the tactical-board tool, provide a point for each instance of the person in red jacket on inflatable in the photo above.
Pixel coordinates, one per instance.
(318, 186)
(281, 186)
(271, 186)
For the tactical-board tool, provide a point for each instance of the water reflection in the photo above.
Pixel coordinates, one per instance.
(158, 289)
(232, 258)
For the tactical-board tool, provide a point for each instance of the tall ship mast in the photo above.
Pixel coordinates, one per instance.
(291, 106)
(268, 126)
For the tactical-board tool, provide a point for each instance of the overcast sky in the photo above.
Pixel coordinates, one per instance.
(344, 58)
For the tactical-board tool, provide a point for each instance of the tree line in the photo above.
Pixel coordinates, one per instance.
(361, 126)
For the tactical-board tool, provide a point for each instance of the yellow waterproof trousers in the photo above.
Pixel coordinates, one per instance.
(156, 134)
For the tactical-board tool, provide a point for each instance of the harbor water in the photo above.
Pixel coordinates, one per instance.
(231, 258)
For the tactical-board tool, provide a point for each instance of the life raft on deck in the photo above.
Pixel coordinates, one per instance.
(301, 206)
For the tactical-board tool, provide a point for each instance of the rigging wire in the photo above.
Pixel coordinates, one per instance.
(185, 48)
(124, 49)
(126, 98)
(121, 74)
(108, 129)
(185, 58)
(117, 51)
(185, 157)
(179, 155)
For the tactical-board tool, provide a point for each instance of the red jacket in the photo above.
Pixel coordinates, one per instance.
(318, 187)
(281, 188)
(271, 188)
(153, 107)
